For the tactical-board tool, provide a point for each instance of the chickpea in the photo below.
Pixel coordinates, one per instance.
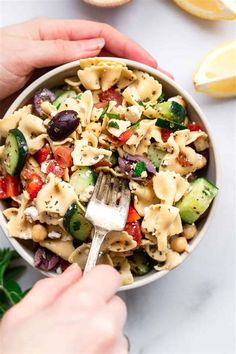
(39, 233)
(189, 231)
(179, 244)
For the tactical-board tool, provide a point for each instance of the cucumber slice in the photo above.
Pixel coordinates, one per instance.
(196, 202)
(172, 111)
(155, 155)
(140, 263)
(63, 96)
(173, 126)
(114, 158)
(82, 178)
(15, 152)
(76, 224)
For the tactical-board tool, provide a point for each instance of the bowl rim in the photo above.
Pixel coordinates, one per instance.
(190, 100)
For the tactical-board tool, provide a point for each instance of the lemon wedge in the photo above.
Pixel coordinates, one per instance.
(216, 75)
(210, 9)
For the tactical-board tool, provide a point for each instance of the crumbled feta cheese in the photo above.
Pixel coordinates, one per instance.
(54, 234)
(86, 194)
(59, 270)
(123, 125)
(44, 166)
(31, 214)
(144, 174)
(133, 113)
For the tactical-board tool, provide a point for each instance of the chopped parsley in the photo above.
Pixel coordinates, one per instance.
(113, 124)
(161, 98)
(139, 168)
(113, 115)
(140, 103)
(104, 112)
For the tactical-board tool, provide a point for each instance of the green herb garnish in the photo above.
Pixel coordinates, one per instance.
(113, 124)
(79, 96)
(161, 98)
(140, 103)
(140, 167)
(113, 115)
(104, 112)
(10, 291)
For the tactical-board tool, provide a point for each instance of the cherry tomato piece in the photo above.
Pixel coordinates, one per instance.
(45, 153)
(195, 127)
(34, 185)
(133, 215)
(9, 187)
(54, 167)
(110, 95)
(62, 155)
(165, 134)
(134, 229)
(182, 160)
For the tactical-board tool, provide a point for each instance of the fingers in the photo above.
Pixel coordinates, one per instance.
(46, 291)
(96, 288)
(56, 52)
(74, 30)
(117, 308)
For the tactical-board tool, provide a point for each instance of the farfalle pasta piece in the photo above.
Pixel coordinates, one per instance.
(199, 139)
(140, 140)
(169, 186)
(178, 142)
(80, 255)
(162, 221)
(54, 199)
(12, 121)
(123, 267)
(95, 128)
(18, 226)
(74, 82)
(143, 196)
(34, 132)
(83, 106)
(84, 155)
(48, 109)
(145, 89)
(154, 253)
(173, 259)
(62, 248)
(57, 232)
(85, 63)
(104, 74)
(119, 241)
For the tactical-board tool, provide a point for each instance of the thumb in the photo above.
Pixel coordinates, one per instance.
(55, 52)
(45, 292)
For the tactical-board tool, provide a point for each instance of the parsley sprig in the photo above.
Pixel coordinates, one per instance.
(10, 291)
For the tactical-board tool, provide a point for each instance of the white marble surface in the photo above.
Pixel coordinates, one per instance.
(192, 310)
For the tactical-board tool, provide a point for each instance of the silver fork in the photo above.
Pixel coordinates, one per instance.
(107, 211)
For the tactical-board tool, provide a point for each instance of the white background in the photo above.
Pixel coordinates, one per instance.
(192, 310)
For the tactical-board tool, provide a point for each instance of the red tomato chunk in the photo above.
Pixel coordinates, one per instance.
(110, 95)
(134, 229)
(9, 187)
(62, 155)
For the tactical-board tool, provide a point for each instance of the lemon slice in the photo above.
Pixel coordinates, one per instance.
(216, 75)
(210, 9)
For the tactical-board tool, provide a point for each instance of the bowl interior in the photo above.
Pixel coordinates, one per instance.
(56, 78)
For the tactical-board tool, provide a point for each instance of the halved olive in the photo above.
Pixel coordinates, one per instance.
(63, 124)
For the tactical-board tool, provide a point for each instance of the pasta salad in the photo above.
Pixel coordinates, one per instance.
(108, 118)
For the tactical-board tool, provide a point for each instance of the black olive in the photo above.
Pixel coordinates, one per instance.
(63, 124)
(41, 96)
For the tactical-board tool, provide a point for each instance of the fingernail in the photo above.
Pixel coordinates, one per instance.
(92, 44)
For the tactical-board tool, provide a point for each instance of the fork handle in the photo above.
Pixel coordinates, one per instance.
(98, 237)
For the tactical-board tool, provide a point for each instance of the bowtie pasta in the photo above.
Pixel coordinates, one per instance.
(109, 118)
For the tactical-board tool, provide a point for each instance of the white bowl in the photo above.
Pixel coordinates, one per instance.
(55, 78)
